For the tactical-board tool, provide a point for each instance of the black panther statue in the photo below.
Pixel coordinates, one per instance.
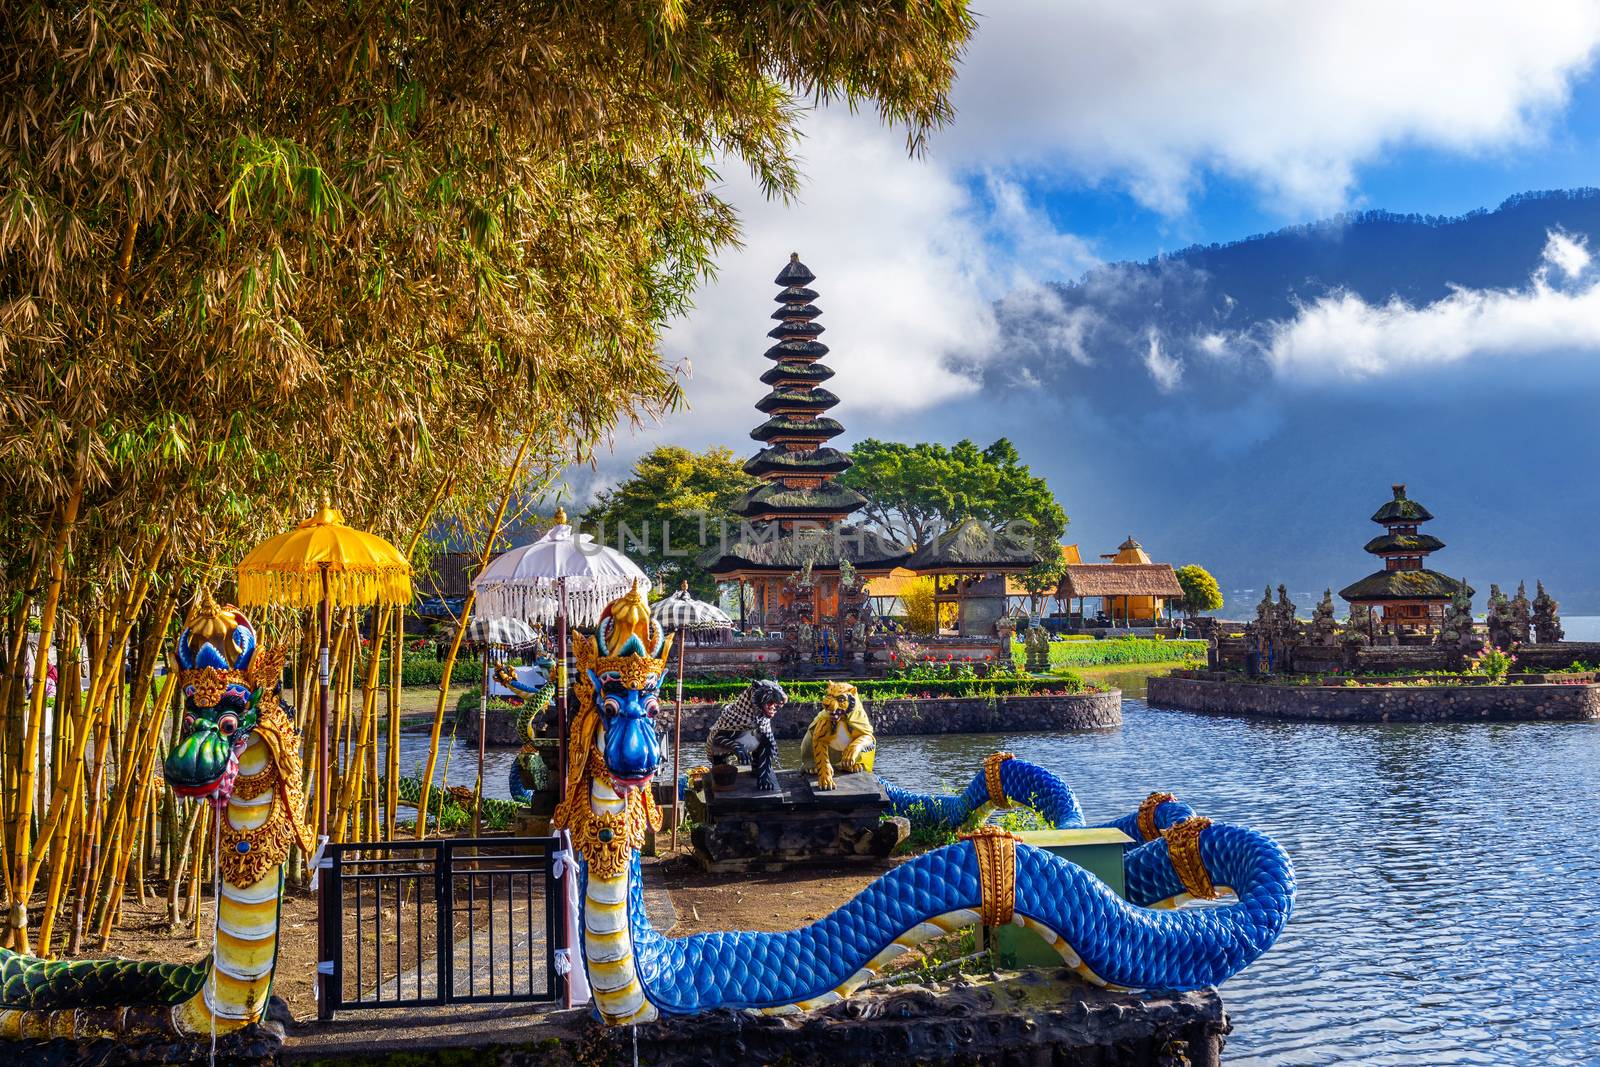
(743, 733)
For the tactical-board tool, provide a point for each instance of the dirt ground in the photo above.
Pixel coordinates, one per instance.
(779, 901)
(702, 901)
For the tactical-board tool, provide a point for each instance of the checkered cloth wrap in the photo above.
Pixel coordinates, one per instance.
(741, 715)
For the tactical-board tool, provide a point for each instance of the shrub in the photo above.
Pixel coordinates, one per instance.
(1116, 651)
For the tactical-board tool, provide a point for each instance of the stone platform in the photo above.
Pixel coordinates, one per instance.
(1374, 703)
(1014, 1018)
(742, 828)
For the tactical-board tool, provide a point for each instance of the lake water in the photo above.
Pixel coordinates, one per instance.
(1448, 909)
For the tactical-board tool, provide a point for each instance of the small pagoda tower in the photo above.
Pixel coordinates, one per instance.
(1409, 595)
(797, 539)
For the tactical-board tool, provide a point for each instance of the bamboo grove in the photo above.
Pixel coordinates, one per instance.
(252, 254)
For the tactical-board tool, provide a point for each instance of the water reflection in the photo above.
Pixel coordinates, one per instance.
(1449, 882)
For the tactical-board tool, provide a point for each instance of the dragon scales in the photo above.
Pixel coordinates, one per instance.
(637, 974)
(239, 751)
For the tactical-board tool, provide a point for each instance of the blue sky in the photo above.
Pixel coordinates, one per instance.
(1404, 179)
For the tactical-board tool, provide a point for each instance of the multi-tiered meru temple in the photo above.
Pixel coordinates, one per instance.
(804, 564)
(1408, 594)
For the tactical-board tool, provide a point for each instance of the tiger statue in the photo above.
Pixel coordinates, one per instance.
(841, 726)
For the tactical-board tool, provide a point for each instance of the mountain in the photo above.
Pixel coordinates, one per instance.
(1247, 405)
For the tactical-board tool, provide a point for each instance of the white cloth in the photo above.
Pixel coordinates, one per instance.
(578, 978)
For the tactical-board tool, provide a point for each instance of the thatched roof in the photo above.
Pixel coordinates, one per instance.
(796, 331)
(1014, 586)
(801, 310)
(778, 426)
(778, 458)
(791, 371)
(1404, 585)
(812, 399)
(770, 550)
(1119, 579)
(796, 350)
(827, 498)
(794, 273)
(796, 294)
(1400, 509)
(1409, 543)
(971, 546)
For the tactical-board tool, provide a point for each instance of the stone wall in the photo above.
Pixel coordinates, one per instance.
(936, 715)
(1465, 703)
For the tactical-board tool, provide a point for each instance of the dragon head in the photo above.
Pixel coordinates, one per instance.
(624, 663)
(229, 701)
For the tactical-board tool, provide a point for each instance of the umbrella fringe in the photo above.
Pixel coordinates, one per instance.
(300, 585)
(537, 602)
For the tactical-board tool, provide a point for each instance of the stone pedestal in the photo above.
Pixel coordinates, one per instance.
(746, 829)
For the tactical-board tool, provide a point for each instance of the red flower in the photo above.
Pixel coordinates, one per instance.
(761, 658)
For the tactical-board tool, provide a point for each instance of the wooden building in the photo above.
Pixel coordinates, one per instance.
(1405, 594)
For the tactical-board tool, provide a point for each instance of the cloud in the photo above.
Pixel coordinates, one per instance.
(1568, 254)
(1290, 97)
(1166, 370)
(1342, 337)
(897, 250)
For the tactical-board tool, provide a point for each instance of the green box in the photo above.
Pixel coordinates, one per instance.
(1099, 851)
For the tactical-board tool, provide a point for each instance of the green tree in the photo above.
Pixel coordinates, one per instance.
(914, 492)
(1200, 591)
(662, 515)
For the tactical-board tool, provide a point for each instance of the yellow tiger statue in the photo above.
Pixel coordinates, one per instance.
(841, 726)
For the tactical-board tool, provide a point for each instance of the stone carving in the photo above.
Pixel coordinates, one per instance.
(1324, 628)
(1459, 633)
(1546, 617)
(1358, 627)
(1499, 618)
(1521, 615)
(1037, 647)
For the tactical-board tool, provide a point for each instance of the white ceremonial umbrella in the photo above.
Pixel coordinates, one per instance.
(682, 613)
(564, 577)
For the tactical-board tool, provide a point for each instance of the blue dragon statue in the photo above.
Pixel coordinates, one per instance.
(638, 974)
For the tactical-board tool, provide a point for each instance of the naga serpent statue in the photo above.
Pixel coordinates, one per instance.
(529, 764)
(637, 974)
(239, 751)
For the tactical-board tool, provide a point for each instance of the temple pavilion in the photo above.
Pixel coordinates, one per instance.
(1132, 589)
(1408, 595)
(802, 562)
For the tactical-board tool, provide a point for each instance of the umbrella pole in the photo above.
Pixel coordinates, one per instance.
(561, 687)
(677, 748)
(483, 730)
(324, 784)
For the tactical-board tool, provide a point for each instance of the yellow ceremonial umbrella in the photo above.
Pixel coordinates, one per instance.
(324, 562)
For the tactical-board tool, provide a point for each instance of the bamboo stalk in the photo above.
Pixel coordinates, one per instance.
(17, 918)
(350, 796)
(455, 642)
(143, 774)
(392, 742)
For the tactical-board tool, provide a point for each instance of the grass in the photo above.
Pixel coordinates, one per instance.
(1121, 650)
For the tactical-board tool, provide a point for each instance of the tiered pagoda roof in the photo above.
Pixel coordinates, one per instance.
(1403, 551)
(797, 466)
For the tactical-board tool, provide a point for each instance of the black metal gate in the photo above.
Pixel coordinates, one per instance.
(449, 921)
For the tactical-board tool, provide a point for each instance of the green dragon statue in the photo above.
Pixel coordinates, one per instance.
(238, 751)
